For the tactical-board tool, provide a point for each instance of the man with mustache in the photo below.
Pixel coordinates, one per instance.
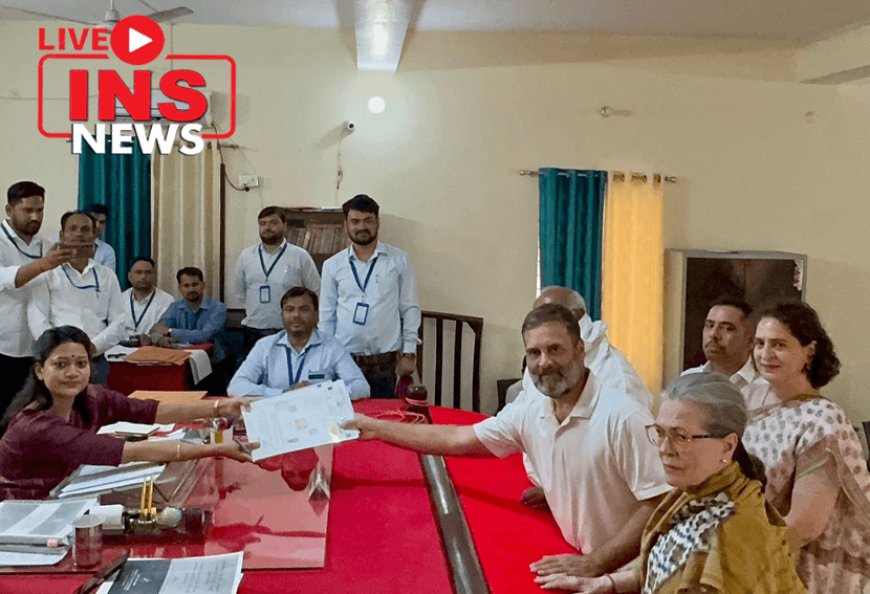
(368, 300)
(23, 257)
(727, 342)
(586, 440)
(265, 271)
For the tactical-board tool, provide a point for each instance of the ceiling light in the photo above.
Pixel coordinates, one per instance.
(377, 104)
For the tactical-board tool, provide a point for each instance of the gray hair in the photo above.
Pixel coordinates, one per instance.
(575, 300)
(726, 412)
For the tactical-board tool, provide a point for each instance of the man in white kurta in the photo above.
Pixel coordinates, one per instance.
(80, 293)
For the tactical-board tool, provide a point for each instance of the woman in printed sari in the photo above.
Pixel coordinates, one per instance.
(816, 475)
(714, 532)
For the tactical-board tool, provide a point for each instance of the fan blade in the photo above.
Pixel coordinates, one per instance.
(48, 16)
(170, 15)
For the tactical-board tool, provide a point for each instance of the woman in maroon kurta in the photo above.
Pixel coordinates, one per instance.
(51, 427)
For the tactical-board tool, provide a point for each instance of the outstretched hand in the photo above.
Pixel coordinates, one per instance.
(365, 425)
(579, 585)
(572, 565)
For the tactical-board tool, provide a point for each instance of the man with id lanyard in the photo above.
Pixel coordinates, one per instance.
(80, 293)
(299, 354)
(265, 271)
(368, 300)
(24, 256)
(144, 303)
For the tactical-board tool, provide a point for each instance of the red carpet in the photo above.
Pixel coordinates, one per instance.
(508, 535)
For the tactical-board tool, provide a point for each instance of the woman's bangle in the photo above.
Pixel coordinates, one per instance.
(178, 451)
(612, 582)
(217, 409)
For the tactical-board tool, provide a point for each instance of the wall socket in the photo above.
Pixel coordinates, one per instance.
(249, 181)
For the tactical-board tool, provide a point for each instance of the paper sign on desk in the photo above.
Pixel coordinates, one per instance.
(299, 419)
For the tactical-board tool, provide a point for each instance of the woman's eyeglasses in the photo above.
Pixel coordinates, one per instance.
(657, 435)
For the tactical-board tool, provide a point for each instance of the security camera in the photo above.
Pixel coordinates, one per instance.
(348, 127)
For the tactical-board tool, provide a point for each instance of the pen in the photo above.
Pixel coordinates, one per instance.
(104, 573)
(242, 445)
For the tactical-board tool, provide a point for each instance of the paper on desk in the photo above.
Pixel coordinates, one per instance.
(299, 419)
(214, 574)
(135, 428)
(31, 559)
(102, 479)
(200, 365)
(119, 352)
(24, 522)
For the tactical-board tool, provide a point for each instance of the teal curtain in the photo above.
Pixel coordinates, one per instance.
(571, 227)
(123, 184)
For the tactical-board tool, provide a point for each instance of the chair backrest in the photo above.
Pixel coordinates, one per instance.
(432, 354)
(502, 386)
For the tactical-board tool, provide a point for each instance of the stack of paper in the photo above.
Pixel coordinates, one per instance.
(37, 532)
(92, 480)
(214, 574)
(125, 428)
(152, 355)
(299, 419)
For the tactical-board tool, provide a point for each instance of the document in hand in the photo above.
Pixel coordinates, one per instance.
(300, 419)
(214, 574)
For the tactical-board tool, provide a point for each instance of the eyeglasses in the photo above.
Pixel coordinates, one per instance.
(657, 436)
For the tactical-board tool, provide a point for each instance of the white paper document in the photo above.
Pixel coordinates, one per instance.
(88, 479)
(200, 365)
(214, 574)
(135, 428)
(300, 419)
(39, 523)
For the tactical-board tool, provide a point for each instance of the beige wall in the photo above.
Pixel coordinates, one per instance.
(465, 113)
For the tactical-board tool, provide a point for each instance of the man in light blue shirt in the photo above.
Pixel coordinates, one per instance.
(368, 300)
(103, 253)
(193, 319)
(299, 354)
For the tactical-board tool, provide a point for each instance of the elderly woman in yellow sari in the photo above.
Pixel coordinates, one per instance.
(713, 532)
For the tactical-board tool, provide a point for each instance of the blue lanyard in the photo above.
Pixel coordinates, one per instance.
(20, 251)
(275, 261)
(188, 315)
(95, 286)
(144, 311)
(294, 379)
(362, 286)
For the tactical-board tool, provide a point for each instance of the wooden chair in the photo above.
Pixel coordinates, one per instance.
(455, 324)
(502, 386)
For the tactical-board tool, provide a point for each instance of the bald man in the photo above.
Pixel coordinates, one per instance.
(603, 360)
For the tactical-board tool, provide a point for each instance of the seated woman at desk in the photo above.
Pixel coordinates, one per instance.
(713, 532)
(50, 428)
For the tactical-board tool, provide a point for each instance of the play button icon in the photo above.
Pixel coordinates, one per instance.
(137, 40)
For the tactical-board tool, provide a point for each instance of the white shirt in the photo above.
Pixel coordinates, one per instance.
(755, 389)
(15, 337)
(265, 371)
(595, 467)
(609, 365)
(382, 318)
(90, 300)
(140, 316)
(289, 266)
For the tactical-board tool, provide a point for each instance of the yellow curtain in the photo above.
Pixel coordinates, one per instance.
(633, 272)
(186, 216)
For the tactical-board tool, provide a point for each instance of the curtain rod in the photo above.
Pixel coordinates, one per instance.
(634, 175)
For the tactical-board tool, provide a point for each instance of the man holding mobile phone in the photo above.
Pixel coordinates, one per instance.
(80, 293)
(24, 256)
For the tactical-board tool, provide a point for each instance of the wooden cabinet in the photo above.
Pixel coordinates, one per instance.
(320, 231)
(696, 278)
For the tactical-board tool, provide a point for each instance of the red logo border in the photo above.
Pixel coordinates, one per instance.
(68, 135)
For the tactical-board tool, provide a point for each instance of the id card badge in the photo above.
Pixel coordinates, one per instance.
(316, 376)
(265, 294)
(361, 314)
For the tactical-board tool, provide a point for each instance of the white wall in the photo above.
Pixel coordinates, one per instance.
(466, 112)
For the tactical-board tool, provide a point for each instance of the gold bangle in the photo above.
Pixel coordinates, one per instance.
(178, 451)
(217, 409)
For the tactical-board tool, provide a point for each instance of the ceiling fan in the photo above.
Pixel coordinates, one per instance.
(112, 16)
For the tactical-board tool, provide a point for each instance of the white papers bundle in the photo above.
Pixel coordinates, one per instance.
(90, 480)
(37, 532)
(300, 419)
(213, 574)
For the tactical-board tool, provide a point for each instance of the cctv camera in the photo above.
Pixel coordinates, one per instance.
(349, 127)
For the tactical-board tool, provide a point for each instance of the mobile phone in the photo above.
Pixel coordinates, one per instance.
(80, 250)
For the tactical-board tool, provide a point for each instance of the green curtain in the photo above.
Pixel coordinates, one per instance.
(123, 184)
(571, 226)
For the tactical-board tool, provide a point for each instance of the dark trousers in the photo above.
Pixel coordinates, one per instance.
(380, 373)
(14, 371)
(250, 336)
